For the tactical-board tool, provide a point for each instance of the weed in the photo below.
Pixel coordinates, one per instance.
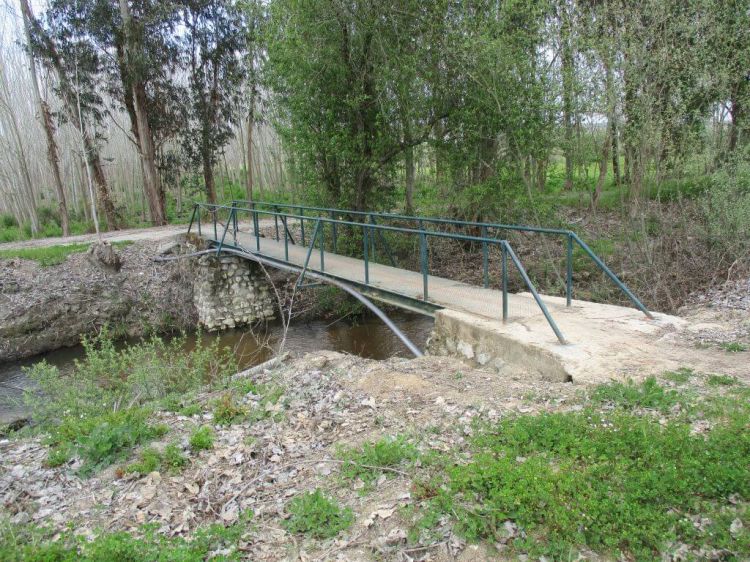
(314, 514)
(368, 461)
(50, 255)
(33, 544)
(173, 458)
(680, 376)
(226, 411)
(150, 461)
(202, 439)
(629, 396)
(720, 380)
(734, 347)
(617, 483)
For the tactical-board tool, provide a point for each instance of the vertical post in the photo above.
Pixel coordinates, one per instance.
(569, 276)
(213, 214)
(423, 262)
(286, 240)
(504, 248)
(322, 246)
(365, 246)
(276, 221)
(302, 224)
(335, 246)
(485, 259)
(234, 223)
(256, 229)
(199, 219)
(192, 218)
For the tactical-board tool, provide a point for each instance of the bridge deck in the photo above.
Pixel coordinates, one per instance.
(601, 336)
(443, 292)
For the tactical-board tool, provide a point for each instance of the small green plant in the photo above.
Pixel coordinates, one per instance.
(58, 456)
(173, 459)
(226, 411)
(680, 376)
(720, 380)
(734, 347)
(316, 515)
(150, 461)
(202, 439)
(372, 459)
(629, 396)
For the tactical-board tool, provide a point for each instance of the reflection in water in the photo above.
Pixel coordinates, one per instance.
(368, 338)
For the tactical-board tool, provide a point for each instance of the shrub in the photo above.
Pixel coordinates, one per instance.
(202, 439)
(226, 411)
(314, 514)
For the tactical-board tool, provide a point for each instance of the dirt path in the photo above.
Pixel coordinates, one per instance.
(132, 234)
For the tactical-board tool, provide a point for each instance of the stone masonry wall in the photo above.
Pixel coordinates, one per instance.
(230, 291)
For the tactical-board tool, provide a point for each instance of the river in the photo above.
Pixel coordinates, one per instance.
(369, 337)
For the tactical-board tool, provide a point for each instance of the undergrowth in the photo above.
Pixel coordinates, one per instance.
(51, 255)
(371, 460)
(315, 515)
(616, 480)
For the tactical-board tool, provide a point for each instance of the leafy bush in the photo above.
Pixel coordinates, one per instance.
(151, 460)
(314, 514)
(100, 440)
(226, 411)
(7, 221)
(202, 439)
(108, 378)
(727, 208)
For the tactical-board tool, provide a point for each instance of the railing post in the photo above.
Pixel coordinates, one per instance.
(365, 247)
(224, 234)
(485, 259)
(276, 221)
(423, 262)
(569, 272)
(256, 228)
(198, 206)
(286, 240)
(504, 260)
(302, 224)
(192, 218)
(322, 234)
(235, 224)
(335, 245)
(372, 237)
(213, 215)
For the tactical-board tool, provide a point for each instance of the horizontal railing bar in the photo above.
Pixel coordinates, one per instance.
(521, 228)
(376, 226)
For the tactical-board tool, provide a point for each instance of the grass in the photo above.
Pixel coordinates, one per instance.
(734, 347)
(172, 460)
(315, 515)
(32, 544)
(617, 481)
(51, 255)
(202, 439)
(371, 460)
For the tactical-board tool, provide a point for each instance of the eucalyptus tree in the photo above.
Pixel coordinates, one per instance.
(214, 46)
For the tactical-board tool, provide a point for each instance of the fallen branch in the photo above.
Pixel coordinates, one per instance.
(263, 366)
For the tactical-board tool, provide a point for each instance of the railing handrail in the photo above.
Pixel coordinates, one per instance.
(485, 240)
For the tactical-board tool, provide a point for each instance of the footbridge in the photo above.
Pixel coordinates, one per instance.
(466, 274)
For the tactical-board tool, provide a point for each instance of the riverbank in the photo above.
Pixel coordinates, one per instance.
(378, 440)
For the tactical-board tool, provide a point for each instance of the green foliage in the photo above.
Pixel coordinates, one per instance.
(727, 208)
(202, 439)
(227, 411)
(630, 396)
(110, 378)
(316, 515)
(721, 380)
(617, 483)
(50, 255)
(100, 440)
(734, 347)
(680, 376)
(368, 461)
(32, 544)
(152, 460)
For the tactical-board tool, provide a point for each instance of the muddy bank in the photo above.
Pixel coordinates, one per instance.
(46, 308)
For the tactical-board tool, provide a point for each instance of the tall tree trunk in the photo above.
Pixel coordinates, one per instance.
(71, 109)
(46, 118)
(615, 149)
(249, 171)
(151, 182)
(602, 167)
(208, 179)
(568, 70)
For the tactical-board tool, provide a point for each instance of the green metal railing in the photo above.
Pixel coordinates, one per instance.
(219, 230)
(486, 228)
